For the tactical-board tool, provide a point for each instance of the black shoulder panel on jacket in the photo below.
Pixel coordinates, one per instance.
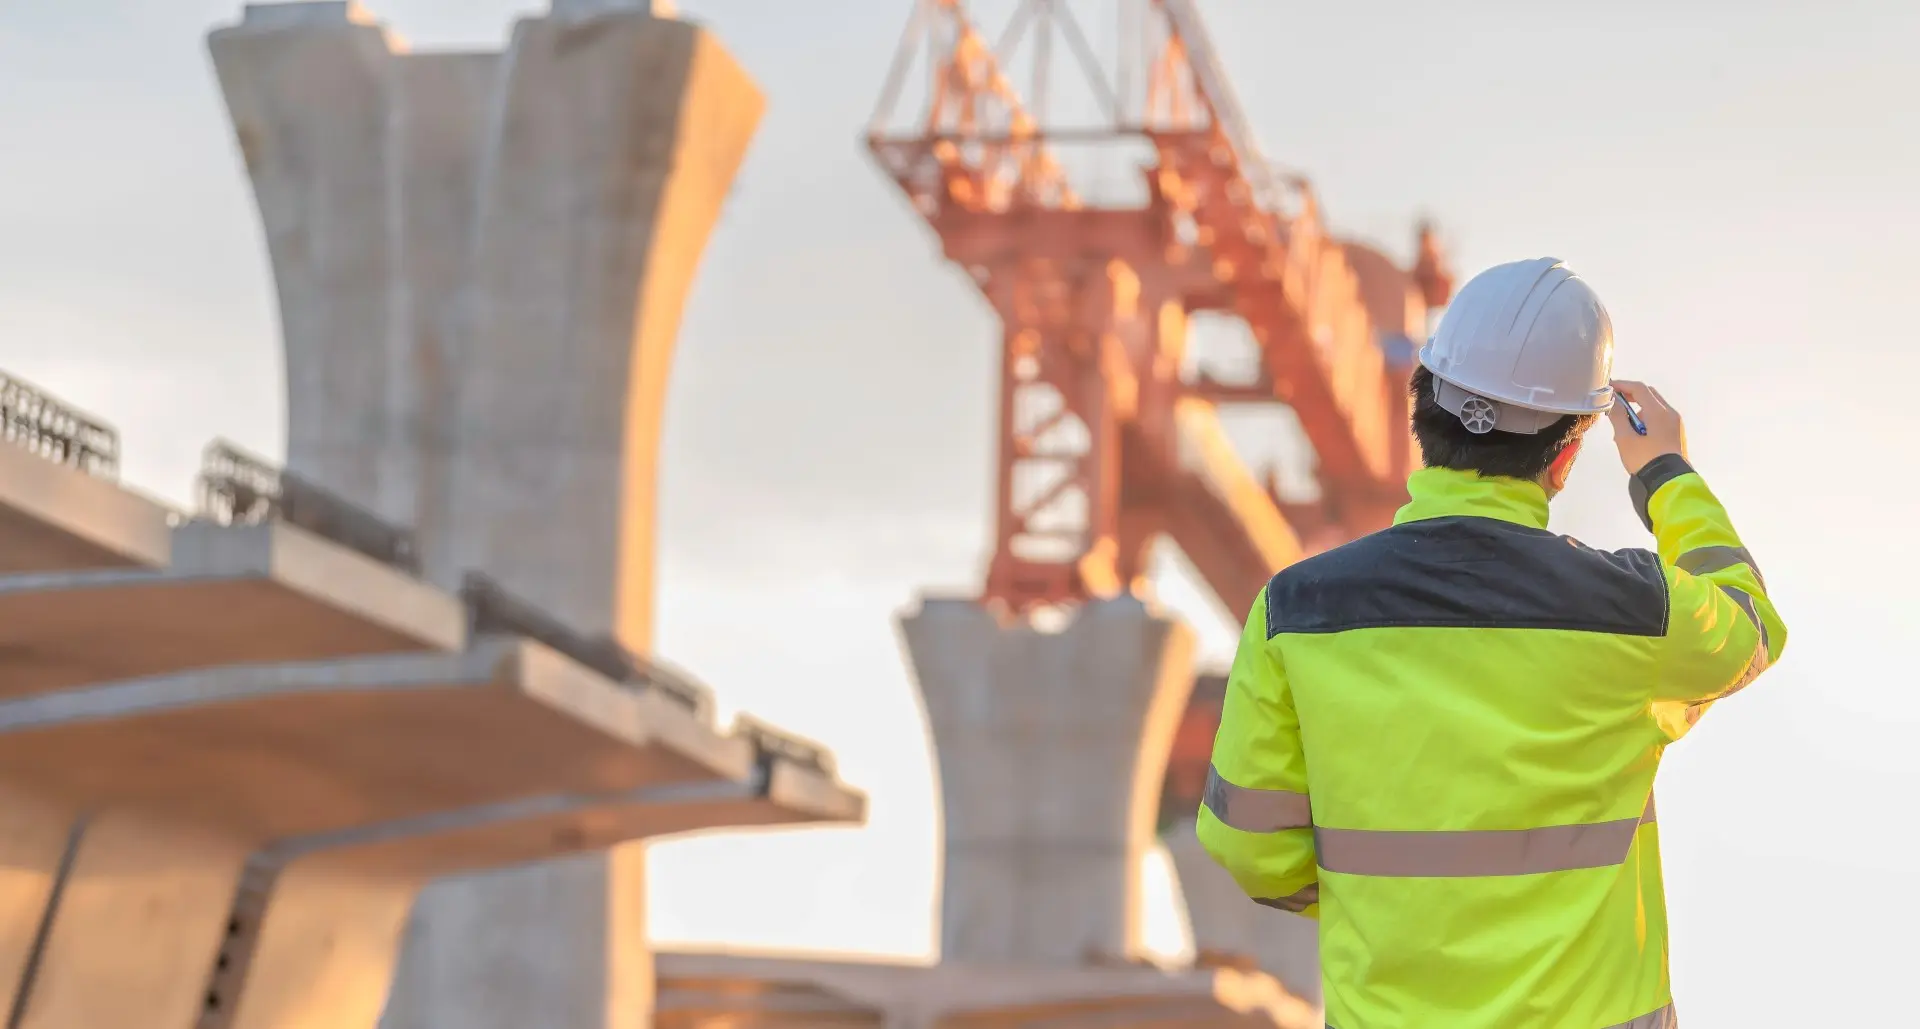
(1470, 572)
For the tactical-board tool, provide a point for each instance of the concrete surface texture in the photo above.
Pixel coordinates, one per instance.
(482, 261)
(745, 991)
(324, 947)
(238, 594)
(272, 752)
(54, 517)
(147, 916)
(1051, 751)
(1224, 920)
(224, 780)
(159, 789)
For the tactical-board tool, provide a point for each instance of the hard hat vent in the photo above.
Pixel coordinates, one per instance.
(1479, 415)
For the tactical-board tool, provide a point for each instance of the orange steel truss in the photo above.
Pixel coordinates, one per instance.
(1105, 443)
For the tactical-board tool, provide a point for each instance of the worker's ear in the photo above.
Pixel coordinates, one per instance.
(1562, 465)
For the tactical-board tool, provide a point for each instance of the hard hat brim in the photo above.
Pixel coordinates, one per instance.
(1599, 402)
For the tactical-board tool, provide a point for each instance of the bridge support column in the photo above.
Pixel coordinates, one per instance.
(139, 918)
(310, 946)
(1052, 747)
(481, 285)
(36, 842)
(466, 941)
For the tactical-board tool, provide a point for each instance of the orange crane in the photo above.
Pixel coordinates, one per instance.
(1107, 441)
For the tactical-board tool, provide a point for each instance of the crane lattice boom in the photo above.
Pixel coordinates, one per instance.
(1104, 446)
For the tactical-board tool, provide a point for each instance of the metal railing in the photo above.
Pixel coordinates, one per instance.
(664, 677)
(49, 428)
(774, 743)
(492, 609)
(238, 487)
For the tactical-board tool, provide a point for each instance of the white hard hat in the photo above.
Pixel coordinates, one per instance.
(1522, 345)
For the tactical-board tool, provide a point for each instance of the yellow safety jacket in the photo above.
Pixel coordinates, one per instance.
(1440, 740)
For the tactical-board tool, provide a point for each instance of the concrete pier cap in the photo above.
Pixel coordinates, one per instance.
(357, 885)
(383, 735)
(276, 751)
(232, 595)
(275, 822)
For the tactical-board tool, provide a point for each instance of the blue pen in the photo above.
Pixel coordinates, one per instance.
(1633, 417)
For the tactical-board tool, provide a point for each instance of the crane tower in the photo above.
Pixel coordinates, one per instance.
(1108, 440)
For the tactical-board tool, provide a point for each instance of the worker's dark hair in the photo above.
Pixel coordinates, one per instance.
(1447, 444)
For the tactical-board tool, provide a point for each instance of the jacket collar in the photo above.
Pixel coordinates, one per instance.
(1444, 493)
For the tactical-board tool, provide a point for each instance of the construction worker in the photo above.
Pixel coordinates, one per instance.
(1440, 739)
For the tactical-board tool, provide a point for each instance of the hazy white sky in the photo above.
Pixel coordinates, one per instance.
(1737, 180)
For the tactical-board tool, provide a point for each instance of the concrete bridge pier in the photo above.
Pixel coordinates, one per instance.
(1052, 747)
(482, 261)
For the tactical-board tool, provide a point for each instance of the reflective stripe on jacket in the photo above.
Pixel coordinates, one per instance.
(1440, 740)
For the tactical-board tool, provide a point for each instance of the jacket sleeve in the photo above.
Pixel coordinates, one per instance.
(1722, 630)
(1255, 818)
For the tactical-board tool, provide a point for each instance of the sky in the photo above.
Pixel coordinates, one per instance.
(1736, 180)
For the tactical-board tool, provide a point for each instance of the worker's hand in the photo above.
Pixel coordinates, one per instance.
(1666, 433)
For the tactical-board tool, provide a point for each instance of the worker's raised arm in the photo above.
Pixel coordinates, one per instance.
(1255, 818)
(1722, 630)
